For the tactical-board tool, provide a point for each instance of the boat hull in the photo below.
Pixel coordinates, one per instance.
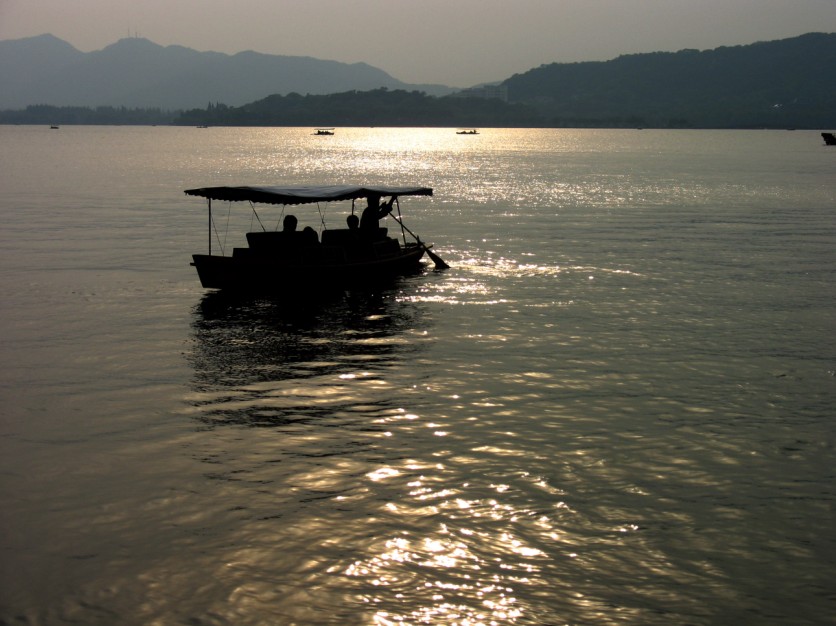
(254, 272)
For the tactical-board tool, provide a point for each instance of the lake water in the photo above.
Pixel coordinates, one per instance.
(617, 406)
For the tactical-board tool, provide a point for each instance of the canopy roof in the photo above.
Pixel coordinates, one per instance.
(303, 194)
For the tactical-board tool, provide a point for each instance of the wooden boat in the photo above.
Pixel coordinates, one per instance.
(467, 131)
(829, 139)
(323, 131)
(303, 260)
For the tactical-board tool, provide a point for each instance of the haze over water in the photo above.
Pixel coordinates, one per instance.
(615, 408)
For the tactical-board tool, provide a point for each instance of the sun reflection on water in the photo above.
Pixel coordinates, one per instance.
(457, 584)
(461, 556)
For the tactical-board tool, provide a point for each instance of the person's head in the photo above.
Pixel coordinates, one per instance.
(374, 200)
(353, 221)
(289, 223)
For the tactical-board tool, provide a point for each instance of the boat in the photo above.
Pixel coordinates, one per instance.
(323, 131)
(467, 131)
(305, 260)
(829, 139)
(54, 127)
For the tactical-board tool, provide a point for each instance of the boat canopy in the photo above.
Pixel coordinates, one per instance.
(303, 194)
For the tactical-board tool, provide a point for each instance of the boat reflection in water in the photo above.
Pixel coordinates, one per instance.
(261, 362)
(296, 410)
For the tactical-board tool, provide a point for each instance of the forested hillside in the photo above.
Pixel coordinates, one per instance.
(778, 84)
(379, 107)
(784, 83)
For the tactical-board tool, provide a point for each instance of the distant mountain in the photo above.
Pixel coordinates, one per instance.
(139, 73)
(377, 107)
(771, 84)
(777, 84)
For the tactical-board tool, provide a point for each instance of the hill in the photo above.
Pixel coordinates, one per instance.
(378, 107)
(139, 73)
(786, 83)
(777, 84)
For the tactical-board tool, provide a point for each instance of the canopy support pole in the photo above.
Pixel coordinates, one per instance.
(403, 232)
(210, 226)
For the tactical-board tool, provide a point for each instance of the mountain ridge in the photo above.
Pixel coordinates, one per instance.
(786, 81)
(777, 84)
(137, 72)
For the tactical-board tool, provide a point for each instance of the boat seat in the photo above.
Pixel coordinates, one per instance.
(273, 240)
(387, 247)
(266, 240)
(340, 237)
(348, 237)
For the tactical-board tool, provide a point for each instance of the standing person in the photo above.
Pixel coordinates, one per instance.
(373, 213)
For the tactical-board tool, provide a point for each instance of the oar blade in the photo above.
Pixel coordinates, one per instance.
(439, 262)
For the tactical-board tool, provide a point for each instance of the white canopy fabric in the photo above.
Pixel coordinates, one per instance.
(303, 194)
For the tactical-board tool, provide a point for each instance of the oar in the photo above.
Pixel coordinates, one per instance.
(439, 262)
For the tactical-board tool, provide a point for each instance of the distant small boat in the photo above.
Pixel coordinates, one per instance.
(54, 127)
(467, 131)
(829, 139)
(324, 131)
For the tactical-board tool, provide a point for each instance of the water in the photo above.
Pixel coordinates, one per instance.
(616, 408)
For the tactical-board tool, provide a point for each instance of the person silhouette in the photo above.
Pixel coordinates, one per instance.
(309, 236)
(372, 214)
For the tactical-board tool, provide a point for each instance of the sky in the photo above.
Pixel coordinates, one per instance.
(459, 43)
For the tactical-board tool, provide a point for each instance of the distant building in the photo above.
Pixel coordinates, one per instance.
(499, 92)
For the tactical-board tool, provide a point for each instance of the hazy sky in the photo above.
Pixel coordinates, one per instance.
(453, 42)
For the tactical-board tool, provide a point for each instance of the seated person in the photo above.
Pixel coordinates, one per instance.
(309, 237)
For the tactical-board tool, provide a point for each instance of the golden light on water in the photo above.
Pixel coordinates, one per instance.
(550, 433)
(467, 567)
(458, 591)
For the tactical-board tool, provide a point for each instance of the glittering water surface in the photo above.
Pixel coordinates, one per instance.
(615, 408)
